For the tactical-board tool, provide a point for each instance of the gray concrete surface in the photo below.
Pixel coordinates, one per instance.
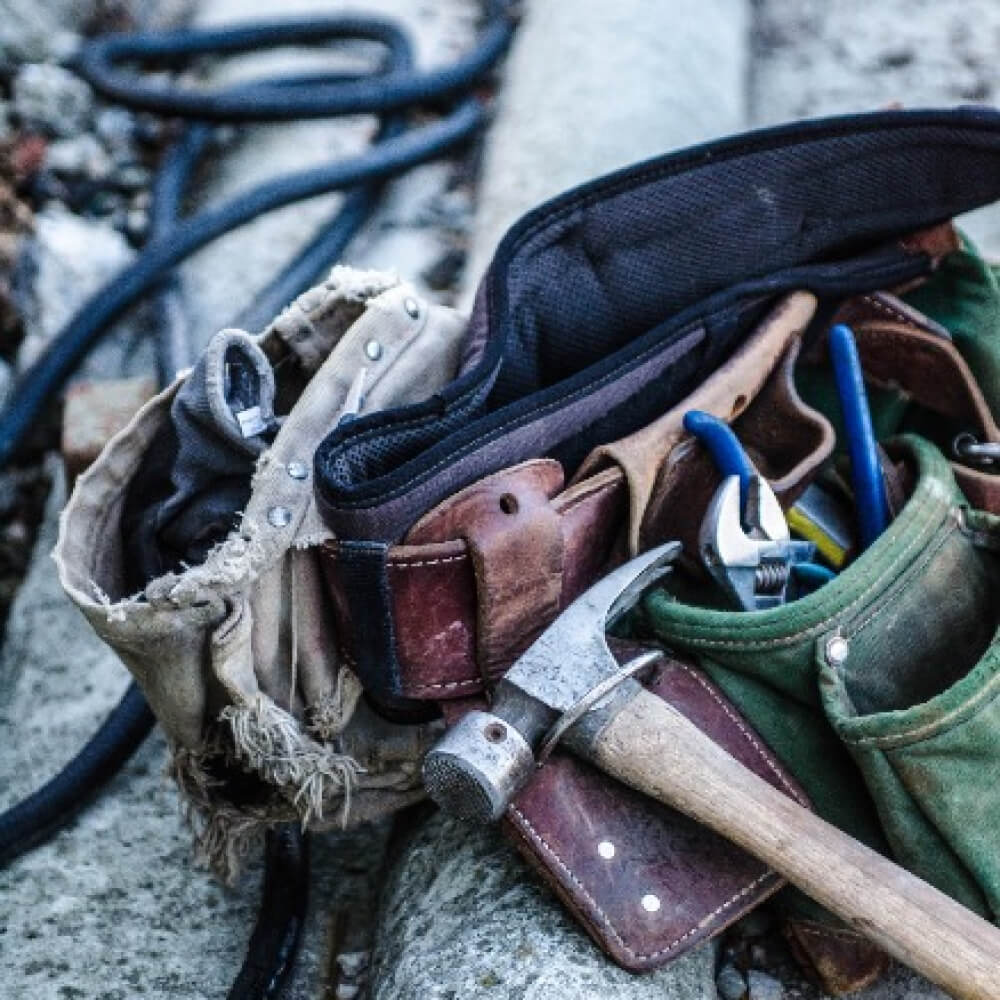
(462, 916)
(591, 86)
(113, 907)
(817, 57)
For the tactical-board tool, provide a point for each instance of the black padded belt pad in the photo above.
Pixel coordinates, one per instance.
(607, 305)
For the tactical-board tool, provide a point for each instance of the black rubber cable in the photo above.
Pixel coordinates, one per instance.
(284, 902)
(391, 157)
(97, 61)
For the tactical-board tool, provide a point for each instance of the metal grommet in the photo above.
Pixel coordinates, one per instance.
(606, 850)
(373, 350)
(412, 307)
(278, 517)
(297, 470)
(837, 649)
(650, 903)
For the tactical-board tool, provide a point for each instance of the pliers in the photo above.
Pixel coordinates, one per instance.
(744, 540)
(871, 501)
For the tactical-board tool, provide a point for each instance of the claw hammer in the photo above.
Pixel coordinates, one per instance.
(567, 686)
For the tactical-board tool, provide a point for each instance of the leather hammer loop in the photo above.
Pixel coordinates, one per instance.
(391, 90)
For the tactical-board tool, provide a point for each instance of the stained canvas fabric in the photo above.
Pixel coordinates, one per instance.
(229, 634)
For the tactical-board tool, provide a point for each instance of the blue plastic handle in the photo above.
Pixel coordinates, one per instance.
(724, 447)
(870, 498)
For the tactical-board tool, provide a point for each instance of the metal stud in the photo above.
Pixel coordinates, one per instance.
(297, 470)
(837, 649)
(650, 903)
(278, 517)
(412, 308)
(606, 850)
(373, 350)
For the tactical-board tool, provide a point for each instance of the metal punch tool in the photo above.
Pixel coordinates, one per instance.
(744, 539)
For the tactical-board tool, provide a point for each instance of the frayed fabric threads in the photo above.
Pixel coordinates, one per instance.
(271, 742)
(224, 837)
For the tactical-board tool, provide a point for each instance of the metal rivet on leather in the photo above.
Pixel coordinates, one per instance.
(650, 903)
(278, 517)
(606, 850)
(373, 350)
(297, 470)
(837, 649)
(412, 308)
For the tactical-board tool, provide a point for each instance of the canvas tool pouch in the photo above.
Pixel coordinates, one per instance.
(875, 690)
(228, 630)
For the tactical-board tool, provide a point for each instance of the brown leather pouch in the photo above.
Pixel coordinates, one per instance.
(645, 881)
(664, 468)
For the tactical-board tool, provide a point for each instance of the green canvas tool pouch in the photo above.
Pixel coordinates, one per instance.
(878, 691)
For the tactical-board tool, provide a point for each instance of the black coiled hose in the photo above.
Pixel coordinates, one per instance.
(392, 89)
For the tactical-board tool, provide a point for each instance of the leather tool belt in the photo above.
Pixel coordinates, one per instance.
(695, 281)
(605, 307)
(455, 515)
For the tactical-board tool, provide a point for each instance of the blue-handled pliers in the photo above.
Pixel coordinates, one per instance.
(871, 501)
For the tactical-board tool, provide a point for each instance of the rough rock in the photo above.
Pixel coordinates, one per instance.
(462, 916)
(592, 86)
(81, 156)
(731, 983)
(96, 410)
(52, 99)
(67, 260)
(764, 987)
(28, 28)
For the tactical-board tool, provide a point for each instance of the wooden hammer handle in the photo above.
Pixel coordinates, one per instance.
(652, 747)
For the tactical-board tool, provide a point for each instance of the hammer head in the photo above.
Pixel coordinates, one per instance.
(482, 761)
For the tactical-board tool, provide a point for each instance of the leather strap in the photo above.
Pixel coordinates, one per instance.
(473, 584)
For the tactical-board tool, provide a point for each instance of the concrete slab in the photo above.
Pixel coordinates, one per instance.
(820, 57)
(591, 86)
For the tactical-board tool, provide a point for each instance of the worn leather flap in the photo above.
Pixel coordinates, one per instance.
(442, 626)
(726, 393)
(645, 881)
(515, 545)
(902, 349)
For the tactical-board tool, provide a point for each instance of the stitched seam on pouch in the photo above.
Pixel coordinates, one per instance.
(816, 627)
(909, 737)
(910, 571)
(542, 843)
(889, 310)
(425, 562)
(747, 734)
(449, 686)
